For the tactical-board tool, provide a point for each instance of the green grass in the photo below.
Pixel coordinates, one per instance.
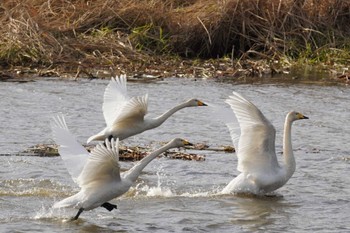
(150, 38)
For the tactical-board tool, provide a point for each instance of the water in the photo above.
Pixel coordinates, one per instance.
(174, 195)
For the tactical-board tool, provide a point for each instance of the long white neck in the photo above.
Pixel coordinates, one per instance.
(133, 173)
(159, 120)
(289, 161)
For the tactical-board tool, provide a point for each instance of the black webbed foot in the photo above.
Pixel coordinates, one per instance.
(109, 206)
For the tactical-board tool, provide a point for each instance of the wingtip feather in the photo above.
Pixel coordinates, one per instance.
(108, 148)
(58, 121)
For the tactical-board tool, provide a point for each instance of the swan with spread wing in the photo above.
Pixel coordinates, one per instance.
(125, 116)
(260, 171)
(98, 173)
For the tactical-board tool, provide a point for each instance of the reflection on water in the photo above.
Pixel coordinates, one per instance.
(257, 213)
(175, 195)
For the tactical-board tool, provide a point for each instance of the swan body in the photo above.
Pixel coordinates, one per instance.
(98, 173)
(260, 171)
(125, 116)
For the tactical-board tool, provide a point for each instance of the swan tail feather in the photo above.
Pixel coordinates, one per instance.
(66, 203)
(97, 137)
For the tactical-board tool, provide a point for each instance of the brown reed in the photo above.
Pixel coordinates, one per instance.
(113, 33)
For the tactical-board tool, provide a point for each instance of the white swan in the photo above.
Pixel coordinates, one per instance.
(98, 173)
(257, 162)
(124, 116)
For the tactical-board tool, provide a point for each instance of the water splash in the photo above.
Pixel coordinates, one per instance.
(215, 191)
(160, 190)
(48, 213)
(33, 187)
(164, 188)
(44, 213)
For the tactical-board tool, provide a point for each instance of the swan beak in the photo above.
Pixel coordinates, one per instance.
(187, 143)
(301, 116)
(200, 103)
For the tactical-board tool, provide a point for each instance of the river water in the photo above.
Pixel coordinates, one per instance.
(176, 195)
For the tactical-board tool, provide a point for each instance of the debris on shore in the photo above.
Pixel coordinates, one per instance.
(130, 153)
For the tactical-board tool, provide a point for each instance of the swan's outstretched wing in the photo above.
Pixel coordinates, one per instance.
(72, 153)
(256, 146)
(114, 99)
(133, 112)
(118, 107)
(102, 166)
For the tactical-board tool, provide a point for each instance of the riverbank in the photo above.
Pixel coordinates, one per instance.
(172, 38)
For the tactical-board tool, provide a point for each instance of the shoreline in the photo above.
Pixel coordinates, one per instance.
(194, 39)
(164, 67)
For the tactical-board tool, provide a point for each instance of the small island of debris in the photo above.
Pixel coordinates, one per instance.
(130, 153)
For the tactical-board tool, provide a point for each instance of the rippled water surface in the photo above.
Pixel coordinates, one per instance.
(175, 195)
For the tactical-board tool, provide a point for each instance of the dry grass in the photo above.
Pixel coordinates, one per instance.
(126, 35)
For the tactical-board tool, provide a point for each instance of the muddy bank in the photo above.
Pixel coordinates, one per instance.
(249, 71)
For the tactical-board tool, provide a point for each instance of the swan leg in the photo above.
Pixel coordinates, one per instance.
(109, 206)
(77, 216)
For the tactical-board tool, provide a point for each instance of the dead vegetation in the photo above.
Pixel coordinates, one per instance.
(129, 153)
(158, 36)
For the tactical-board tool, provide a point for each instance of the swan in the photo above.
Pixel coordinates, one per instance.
(124, 116)
(260, 171)
(98, 173)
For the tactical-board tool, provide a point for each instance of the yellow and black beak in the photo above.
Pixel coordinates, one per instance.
(301, 116)
(200, 103)
(187, 143)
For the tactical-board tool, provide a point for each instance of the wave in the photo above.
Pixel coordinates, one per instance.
(34, 187)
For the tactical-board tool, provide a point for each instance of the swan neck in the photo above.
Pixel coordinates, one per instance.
(289, 160)
(133, 173)
(159, 120)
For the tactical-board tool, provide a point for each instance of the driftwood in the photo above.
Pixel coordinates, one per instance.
(128, 153)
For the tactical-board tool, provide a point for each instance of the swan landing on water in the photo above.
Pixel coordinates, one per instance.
(98, 173)
(260, 171)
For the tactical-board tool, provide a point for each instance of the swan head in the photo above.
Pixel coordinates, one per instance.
(179, 142)
(294, 116)
(195, 103)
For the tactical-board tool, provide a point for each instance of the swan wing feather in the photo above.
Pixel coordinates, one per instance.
(115, 98)
(133, 111)
(256, 145)
(72, 153)
(102, 165)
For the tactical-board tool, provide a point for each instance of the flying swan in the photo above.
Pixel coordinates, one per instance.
(124, 116)
(98, 173)
(257, 162)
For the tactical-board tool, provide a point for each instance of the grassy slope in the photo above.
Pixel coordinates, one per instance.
(160, 35)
